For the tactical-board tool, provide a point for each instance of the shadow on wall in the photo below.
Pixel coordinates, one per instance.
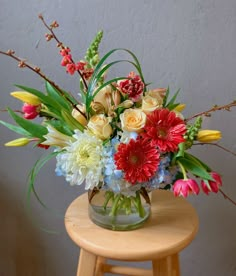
(21, 252)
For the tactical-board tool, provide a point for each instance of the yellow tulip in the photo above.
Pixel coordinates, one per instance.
(26, 97)
(20, 142)
(180, 107)
(207, 136)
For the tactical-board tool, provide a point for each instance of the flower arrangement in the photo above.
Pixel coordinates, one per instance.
(117, 134)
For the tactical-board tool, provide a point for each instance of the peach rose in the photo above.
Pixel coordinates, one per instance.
(99, 126)
(150, 104)
(133, 120)
(78, 116)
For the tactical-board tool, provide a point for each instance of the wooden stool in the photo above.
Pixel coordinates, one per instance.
(171, 227)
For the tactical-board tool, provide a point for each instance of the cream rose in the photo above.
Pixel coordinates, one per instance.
(99, 126)
(150, 104)
(133, 120)
(78, 116)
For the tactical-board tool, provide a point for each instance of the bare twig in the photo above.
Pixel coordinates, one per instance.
(217, 145)
(214, 108)
(227, 197)
(18, 111)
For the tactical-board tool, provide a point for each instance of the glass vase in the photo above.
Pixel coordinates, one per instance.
(119, 212)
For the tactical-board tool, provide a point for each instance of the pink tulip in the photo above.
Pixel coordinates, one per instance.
(185, 186)
(212, 186)
(30, 111)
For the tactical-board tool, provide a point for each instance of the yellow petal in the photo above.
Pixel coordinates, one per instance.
(26, 97)
(20, 142)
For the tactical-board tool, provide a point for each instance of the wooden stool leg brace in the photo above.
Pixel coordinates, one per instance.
(92, 265)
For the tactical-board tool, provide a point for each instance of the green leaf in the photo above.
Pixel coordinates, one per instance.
(35, 130)
(172, 106)
(194, 167)
(61, 127)
(172, 100)
(166, 97)
(16, 129)
(191, 157)
(72, 123)
(105, 68)
(34, 172)
(31, 189)
(181, 151)
(55, 94)
(82, 91)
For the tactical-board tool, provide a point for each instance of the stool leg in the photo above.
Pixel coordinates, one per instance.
(87, 263)
(99, 266)
(175, 265)
(161, 267)
(168, 266)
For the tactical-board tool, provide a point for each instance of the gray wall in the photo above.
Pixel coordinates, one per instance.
(185, 44)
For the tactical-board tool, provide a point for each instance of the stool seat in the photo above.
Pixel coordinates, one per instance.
(172, 225)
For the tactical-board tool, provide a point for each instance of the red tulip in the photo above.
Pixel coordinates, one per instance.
(212, 185)
(30, 111)
(185, 186)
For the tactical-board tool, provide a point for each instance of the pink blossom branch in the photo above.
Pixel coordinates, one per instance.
(37, 70)
(217, 145)
(213, 109)
(60, 44)
(227, 197)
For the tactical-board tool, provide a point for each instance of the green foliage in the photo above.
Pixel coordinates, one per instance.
(70, 121)
(34, 172)
(171, 104)
(53, 93)
(60, 126)
(16, 129)
(192, 164)
(35, 130)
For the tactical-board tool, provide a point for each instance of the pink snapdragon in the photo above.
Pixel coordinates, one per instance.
(212, 185)
(31, 111)
(185, 186)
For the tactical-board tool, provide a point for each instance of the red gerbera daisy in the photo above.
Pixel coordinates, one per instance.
(164, 129)
(137, 159)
